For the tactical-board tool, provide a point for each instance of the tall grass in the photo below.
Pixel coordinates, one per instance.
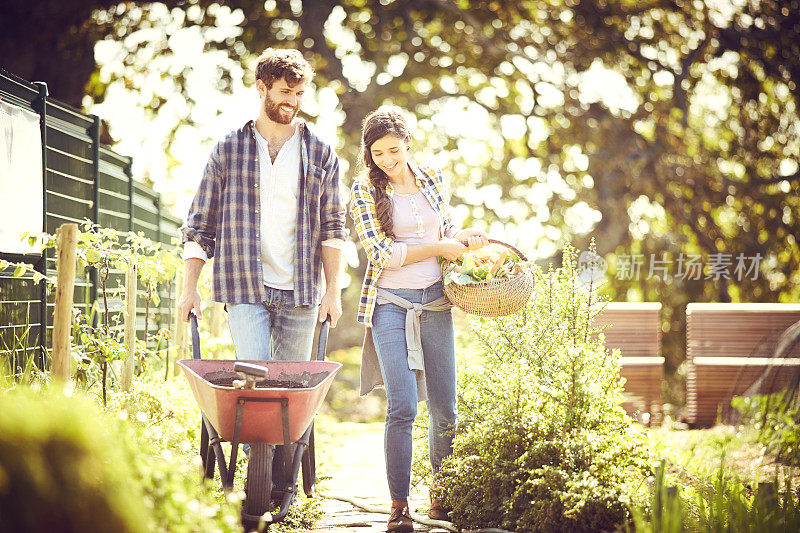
(726, 504)
(18, 361)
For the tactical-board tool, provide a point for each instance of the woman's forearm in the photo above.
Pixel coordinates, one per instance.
(420, 252)
(450, 249)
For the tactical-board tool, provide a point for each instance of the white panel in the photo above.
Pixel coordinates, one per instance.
(21, 182)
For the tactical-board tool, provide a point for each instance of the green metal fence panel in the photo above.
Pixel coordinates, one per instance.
(114, 194)
(82, 181)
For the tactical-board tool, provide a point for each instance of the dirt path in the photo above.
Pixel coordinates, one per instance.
(351, 456)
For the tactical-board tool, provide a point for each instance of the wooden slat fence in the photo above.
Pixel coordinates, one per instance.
(635, 328)
(728, 347)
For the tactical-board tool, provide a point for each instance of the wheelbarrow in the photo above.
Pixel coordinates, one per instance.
(260, 403)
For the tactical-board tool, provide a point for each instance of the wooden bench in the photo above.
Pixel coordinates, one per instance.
(635, 328)
(728, 348)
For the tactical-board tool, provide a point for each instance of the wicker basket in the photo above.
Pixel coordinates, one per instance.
(495, 297)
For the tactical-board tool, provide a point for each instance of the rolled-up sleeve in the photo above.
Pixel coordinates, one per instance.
(201, 222)
(334, 243)
(399, 252)
(332, 206)
(377, 245)
(192, 250)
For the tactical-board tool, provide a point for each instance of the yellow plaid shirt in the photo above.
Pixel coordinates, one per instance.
(377, 245)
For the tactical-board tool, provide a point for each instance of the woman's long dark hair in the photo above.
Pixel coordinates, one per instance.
(383, 121)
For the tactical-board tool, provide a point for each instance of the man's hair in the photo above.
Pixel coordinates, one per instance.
(274, 64)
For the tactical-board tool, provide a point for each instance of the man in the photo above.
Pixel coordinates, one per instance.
(269, 209)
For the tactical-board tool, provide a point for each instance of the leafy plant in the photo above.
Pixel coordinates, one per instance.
(160, 422)
(105, 249)
(725, 504)
(10, 364)
(21, 268)
(542, 442)
(776, 420)
(483, 264)
(61, 467)
(154, 266)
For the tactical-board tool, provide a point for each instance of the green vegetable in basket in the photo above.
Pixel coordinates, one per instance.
(485, 263)
(481, 272)
(468, 264)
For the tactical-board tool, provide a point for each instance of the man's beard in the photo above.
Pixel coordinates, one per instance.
(274, 111)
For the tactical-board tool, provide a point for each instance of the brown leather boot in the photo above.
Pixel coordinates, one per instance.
(400, 519)
(437, 510)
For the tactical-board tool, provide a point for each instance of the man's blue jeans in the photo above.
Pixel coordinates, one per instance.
(438, 347)
(274, 330)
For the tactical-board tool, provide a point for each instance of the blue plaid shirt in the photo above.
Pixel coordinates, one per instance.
(224, 219)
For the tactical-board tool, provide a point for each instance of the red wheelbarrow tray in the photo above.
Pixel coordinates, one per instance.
(261, 421)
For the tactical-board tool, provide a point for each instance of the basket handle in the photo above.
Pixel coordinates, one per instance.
(514, 248)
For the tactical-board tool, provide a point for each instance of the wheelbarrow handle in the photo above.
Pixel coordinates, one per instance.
(323, 338)
(195, 336)
(251, 369)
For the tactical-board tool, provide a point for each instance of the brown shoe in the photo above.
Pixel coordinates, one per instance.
(400, 520)
(437, 510)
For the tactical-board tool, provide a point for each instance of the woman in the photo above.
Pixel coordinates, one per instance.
(401, 215)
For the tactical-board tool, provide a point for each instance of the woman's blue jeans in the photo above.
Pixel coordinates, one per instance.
(438, 347)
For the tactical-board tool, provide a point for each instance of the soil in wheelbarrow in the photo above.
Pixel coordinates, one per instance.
(306, 380)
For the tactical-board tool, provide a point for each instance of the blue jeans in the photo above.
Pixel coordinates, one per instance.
(272, 330)
(438, 349)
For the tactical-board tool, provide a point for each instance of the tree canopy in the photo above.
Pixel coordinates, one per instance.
(656, 126)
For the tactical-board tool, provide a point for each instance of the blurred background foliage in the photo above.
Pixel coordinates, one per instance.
(660, 127)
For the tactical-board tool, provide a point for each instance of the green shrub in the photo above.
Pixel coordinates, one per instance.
(68, 465)
(62, 469)
(161, 424)
(542, 442)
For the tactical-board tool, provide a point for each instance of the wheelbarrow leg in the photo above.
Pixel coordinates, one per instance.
(206, 453)
(309, 466)
(215, 449)
(291, 487)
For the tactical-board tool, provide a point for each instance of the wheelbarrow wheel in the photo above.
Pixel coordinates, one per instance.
(259, 480)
